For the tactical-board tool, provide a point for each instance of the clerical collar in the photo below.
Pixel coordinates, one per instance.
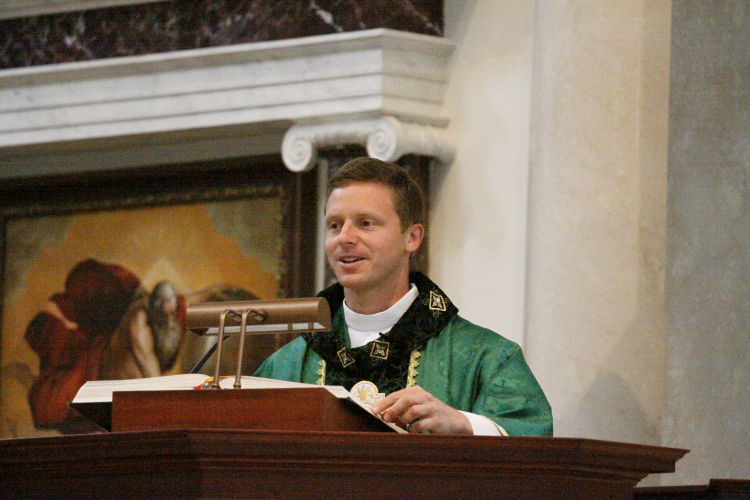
(364, 328)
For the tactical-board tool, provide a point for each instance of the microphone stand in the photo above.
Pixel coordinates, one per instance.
(207, 356)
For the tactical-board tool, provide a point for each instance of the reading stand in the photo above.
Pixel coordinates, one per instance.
(313, 409)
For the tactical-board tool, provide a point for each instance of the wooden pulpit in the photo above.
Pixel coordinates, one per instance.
(204, 462)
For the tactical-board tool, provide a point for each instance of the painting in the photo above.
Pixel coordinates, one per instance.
(99, 290)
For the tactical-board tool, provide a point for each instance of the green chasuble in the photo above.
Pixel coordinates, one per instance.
(466, 366)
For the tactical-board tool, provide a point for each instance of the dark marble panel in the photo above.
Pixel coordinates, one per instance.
(189, 24)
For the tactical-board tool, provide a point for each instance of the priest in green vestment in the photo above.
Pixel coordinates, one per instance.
(434, 371)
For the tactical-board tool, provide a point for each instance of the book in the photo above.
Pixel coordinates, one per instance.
(94, 398)
(100, 391)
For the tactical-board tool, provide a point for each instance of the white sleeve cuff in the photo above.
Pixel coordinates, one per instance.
(483, 426)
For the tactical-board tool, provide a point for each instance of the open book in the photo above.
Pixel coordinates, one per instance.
(94, 398)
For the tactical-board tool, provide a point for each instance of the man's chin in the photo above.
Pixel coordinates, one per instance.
(351, 281)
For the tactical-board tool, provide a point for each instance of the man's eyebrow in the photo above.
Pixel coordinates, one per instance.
(357, 215)
(368, 214)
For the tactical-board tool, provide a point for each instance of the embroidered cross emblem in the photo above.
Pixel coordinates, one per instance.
(380, 349)
(344, 357)
(437, 302)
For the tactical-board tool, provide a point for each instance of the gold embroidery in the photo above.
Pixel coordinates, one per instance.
(413, 364)
(366, 393)
(437, 302)
(322, 372)
(380, 349)
(344, 357)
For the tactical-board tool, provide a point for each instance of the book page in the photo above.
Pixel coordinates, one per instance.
(100, 391)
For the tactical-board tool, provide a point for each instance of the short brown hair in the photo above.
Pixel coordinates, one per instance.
(408, 197)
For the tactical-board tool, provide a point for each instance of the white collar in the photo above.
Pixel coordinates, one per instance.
(363, 326)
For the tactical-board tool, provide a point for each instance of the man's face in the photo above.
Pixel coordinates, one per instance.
(364, 243)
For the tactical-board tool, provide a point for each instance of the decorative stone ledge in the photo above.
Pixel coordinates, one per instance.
(386, 138)
(267, 87)
(21, 8)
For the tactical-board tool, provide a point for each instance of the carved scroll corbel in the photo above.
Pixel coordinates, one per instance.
(385, 138)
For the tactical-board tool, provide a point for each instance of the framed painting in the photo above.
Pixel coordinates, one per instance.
(97, 271)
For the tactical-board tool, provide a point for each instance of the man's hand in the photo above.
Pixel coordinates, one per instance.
(422, 411)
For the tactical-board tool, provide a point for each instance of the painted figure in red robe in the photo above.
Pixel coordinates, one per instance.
(104, 325)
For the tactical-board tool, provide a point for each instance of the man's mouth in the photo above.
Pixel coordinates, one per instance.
(349, 260)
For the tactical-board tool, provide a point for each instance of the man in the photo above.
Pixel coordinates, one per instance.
(398, 330)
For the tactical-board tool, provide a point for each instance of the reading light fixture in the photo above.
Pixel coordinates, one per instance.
(256, 317)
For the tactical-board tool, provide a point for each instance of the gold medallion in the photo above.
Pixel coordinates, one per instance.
(344, 357)
(380, 349)
(366, 393)
(437, 302)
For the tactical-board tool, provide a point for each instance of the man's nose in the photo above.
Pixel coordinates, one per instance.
(347, 236)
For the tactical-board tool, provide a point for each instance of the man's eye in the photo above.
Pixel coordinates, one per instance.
(333, 226)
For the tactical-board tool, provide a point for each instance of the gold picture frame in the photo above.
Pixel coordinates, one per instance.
(83, 257)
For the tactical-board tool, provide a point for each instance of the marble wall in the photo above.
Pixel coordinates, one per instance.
(189, 24)
(707, 394)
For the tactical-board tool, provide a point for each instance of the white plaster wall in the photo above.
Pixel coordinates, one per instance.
(595, 334)
(478, 218)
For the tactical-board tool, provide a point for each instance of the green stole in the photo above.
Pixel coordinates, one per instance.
(384, 362)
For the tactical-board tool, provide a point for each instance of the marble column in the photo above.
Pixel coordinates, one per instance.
(596, 250)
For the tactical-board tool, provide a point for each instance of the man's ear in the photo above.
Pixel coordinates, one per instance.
(415, 235)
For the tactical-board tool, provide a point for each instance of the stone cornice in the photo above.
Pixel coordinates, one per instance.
(386, 138)
(268, 87)
(22, 8)
(367, 73)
